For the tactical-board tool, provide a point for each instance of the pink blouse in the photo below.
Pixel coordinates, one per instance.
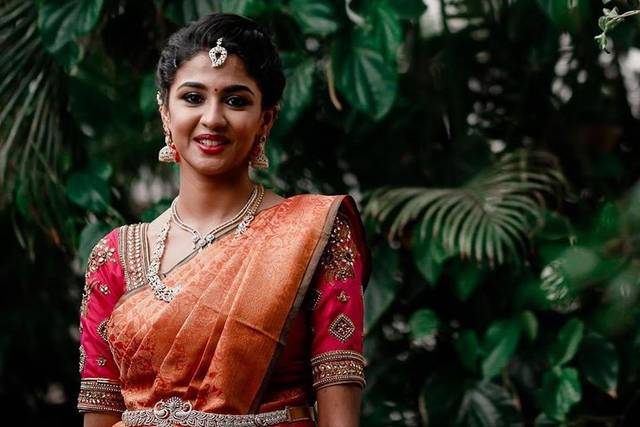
(324, 344)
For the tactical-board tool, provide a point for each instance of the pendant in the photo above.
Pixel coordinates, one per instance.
(201, 242)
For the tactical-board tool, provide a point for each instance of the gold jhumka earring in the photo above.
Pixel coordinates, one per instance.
(167, 154)
(260, 160)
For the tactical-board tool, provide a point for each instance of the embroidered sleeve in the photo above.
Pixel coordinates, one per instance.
(104, 284)
(336, 301)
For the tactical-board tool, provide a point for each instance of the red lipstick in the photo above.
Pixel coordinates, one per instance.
(205, 140)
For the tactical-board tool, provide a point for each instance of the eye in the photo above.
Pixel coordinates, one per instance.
(236, 101)
(192, 98)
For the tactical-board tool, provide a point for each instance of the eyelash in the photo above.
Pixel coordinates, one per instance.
(242, 101)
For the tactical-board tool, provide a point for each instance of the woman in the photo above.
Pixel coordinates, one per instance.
(236, 306)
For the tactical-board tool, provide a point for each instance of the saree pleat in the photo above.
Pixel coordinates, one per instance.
(216, 342)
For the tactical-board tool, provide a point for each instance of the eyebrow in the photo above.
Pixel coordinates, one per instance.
(228, 89)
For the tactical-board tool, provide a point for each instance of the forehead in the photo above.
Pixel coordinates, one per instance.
(199, 69)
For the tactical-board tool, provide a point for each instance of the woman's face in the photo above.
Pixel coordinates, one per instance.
(215, 115)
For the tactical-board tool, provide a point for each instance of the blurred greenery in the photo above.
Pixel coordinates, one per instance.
(490, 144)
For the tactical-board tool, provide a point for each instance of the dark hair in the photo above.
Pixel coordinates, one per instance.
(241, 36)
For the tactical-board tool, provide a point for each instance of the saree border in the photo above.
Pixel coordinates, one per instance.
(302, 291)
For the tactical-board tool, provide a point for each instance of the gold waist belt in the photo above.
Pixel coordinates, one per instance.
(175, 411)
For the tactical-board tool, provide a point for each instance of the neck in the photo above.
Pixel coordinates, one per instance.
(208, 201)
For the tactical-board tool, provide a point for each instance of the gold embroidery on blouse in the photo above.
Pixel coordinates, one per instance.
(342, 327)
(83, 358)
(101, 361)
(339, 255)
(104, 289)
(314, 298)
(97, 394)
(102, 329)
(134, 254)
(343, 297)
(100, 254)
(89, 285)
(337, 367)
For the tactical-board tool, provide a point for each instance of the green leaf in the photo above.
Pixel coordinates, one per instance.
(298, 93)
(423, 322)
(407, 8)
(184, 11)
(466, 276)
(386, 30)
(383, 284)
(599, 363)
(488, 405)
(499, 344)
(529, 324)
(314, 17)
(429, 257)
(147, 101)
(560, 391)
(88, 191)
(364, 77)
(568, 15)
(63, 21)
(566, 343)
(243, 7)
(468, 347)
(100, 169)
(23, 199)
(89, 236)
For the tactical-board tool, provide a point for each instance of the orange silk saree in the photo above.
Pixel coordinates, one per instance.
(216, 344)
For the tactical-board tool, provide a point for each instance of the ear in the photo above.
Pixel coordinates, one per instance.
(269, 117)
(164, 115)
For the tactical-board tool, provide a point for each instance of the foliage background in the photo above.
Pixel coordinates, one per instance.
(490, 143)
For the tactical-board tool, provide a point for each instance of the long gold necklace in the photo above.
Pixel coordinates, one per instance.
(164, 293)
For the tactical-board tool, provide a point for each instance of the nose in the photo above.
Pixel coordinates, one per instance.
(213, 115)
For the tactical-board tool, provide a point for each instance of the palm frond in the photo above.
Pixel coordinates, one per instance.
(491, 218)
(30, 134)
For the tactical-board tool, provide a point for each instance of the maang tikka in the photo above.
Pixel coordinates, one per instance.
(218, 54)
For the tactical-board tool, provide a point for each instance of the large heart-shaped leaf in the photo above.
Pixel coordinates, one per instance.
(364, 77)
(314, 17)
(298, 93)
(385, 30)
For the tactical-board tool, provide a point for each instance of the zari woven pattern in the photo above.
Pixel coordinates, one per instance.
(337, 367)
(175, 411)
(100, 395)
(134, 254)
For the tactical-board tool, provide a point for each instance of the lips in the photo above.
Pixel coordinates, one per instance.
(211, 140)
(211, 144)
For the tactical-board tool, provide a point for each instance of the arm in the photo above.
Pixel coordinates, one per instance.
(337, 321)
(97, 419)
(339, 406)
(100, 397)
